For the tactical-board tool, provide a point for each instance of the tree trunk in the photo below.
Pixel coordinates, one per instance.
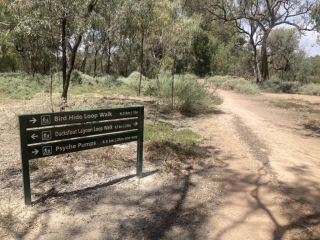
(141, 62)
(84, 60)
(95, 63)
(101, 60)
(74, 50)
(172, 87)
(264, 58)
(64, 55)
(255, 64)
(109, 56)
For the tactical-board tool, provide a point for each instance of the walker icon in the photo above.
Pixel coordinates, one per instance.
(45, 120)
(47, 150)
(46, 135)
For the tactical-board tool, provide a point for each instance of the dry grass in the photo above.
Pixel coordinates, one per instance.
(310, 112)
(174, 157)
(76, 171)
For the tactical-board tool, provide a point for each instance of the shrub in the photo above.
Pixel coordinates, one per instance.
(289, 87)
(160, 132)
(272, 85)
(219, 80)
(78, 78)
(190, 97)
(310, 89)
(240, 85)
(110, 81)
(19, 85)
(150, 88)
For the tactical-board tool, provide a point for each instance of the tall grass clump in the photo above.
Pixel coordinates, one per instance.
(190, 96)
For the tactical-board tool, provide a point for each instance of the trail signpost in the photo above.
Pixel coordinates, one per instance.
(50, 134)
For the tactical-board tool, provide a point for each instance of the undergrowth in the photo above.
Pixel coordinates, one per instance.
(159, 132)
(236, 84)
(190, 97)
(172, 150)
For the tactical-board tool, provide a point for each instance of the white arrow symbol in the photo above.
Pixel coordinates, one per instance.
(33, 120)
(135, 124)
(34, 136)
(35, 152)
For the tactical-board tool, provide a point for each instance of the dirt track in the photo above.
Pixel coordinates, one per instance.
(272, 167)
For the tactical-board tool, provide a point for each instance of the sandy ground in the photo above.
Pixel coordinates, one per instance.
(271, 171)
(258, 179)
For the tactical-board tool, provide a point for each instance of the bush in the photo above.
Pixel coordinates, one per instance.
(219, 80)
(240, 85)
(272, 85)
(310, 89)
(191, 97)
(78, 78)
(151, 88)
(20, 86)
(110, 81)
(289, 87)
(276, 85)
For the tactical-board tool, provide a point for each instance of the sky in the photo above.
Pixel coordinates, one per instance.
(308, 42)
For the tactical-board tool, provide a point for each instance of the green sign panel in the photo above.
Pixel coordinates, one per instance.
(50, 134)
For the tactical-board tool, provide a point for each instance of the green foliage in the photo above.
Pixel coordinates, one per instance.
(313, 79)
(289, 87)
(172, 150)
(37, 164)
(219, 80)
(160, 132)
(204, 46)
(110, 81)
(20, 86)
(190, 96)
(310, 89)
(230, 60)
(285, 104)
(272, 85)
(78, 78)
(236, 84)
(276, 85)
(283, 44)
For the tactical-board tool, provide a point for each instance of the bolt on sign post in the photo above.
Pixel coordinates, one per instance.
(50, 134)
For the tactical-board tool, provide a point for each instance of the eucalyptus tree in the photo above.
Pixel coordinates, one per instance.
(64, 18)
(283, 44)
(140, 16)
(8, 60)
(315, 15)
(178, 39)
(262, 16)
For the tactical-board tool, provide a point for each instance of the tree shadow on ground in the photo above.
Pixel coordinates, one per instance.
(298, 203)
(313, 128)
(53, 193)
(301, 211)
(128, 209)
